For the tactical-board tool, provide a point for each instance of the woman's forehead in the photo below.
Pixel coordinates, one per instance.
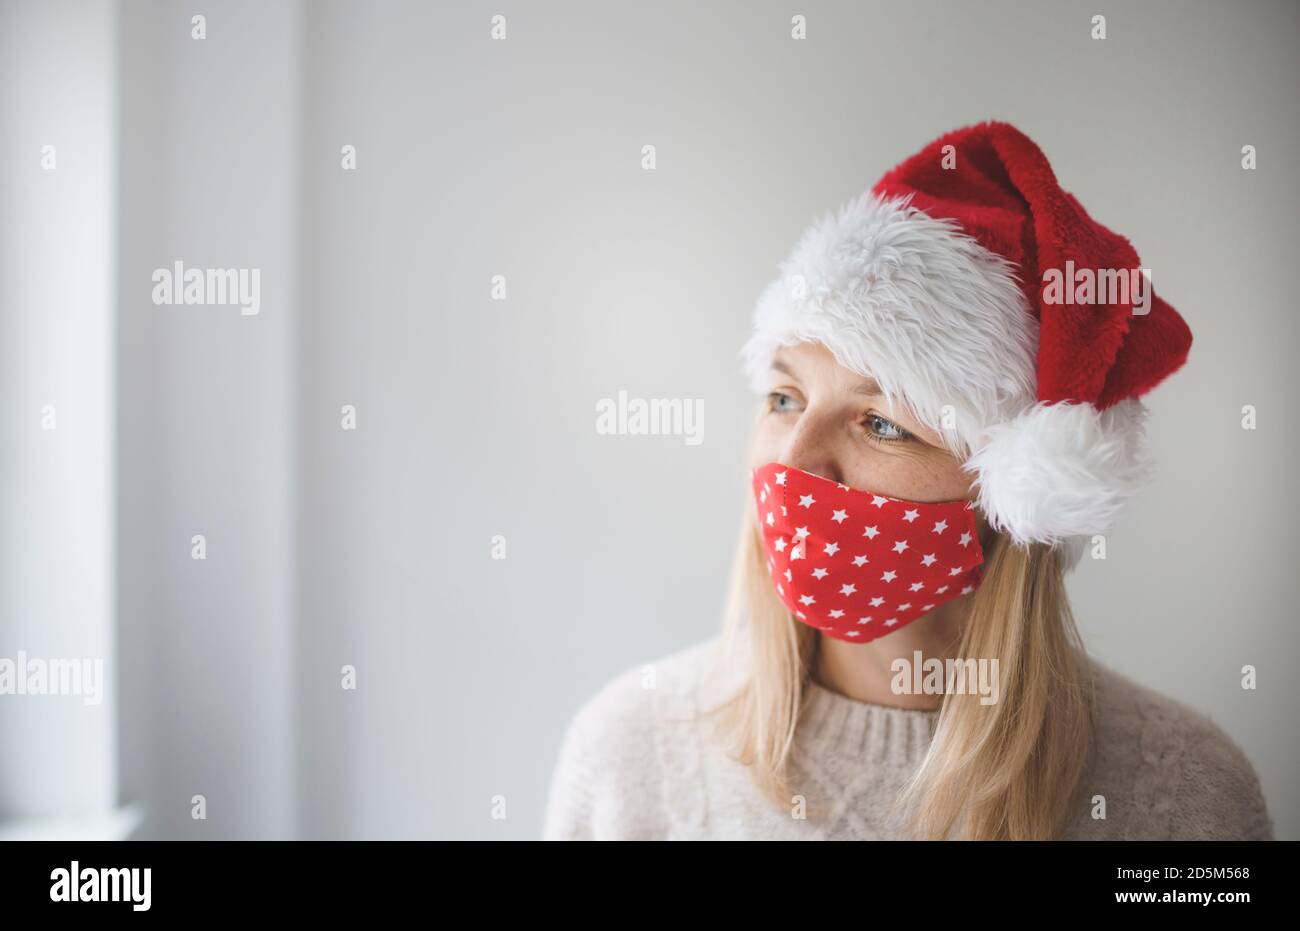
(814, 359)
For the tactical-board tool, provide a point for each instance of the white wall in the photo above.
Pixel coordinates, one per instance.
(209, 177)
(56, 349)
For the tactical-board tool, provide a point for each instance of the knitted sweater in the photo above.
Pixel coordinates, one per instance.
(634, 765)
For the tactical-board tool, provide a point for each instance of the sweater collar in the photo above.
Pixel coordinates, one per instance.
(838, 724)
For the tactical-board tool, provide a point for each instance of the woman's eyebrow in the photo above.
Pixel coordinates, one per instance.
(869, 387)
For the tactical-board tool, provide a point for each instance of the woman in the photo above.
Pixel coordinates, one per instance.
(951, 367)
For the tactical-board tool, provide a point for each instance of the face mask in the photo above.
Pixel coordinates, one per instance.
(857, 565)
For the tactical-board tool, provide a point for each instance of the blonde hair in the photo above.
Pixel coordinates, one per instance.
(1006, 771)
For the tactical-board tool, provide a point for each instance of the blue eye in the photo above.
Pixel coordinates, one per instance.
(773, 402)
(880, 429)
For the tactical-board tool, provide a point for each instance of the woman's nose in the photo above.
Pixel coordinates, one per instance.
(809, 448)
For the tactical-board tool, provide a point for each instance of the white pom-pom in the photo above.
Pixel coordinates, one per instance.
(1061, 471)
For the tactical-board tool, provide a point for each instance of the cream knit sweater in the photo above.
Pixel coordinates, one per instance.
(634, 765)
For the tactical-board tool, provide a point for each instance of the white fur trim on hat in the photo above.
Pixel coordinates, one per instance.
(1061, 470)
(913, 302)
(942, 324)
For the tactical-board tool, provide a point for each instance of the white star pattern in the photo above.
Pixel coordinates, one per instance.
(916, 554)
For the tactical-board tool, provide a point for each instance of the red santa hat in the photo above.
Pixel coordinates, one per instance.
(982, 296)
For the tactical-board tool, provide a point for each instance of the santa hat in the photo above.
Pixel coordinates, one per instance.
(945, 284)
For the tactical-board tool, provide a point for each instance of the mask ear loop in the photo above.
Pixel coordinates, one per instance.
(785, 514)
(766, 504)
(780, 495)
(974, 531)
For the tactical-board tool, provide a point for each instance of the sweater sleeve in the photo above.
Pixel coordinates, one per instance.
(571, 801)
(1219, 793)
(608, 782)
(605, 784)
(629, 765)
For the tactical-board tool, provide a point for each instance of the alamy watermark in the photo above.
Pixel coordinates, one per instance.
(1098, 286)
(79, 883)
(651, 417)
(31, 675)
(209, 286)
(934, 676)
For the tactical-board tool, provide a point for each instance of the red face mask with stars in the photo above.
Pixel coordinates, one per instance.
(858, 565)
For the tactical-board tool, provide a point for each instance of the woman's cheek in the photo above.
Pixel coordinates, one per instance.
(767, 442)
(934, 477)
(903, 473)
